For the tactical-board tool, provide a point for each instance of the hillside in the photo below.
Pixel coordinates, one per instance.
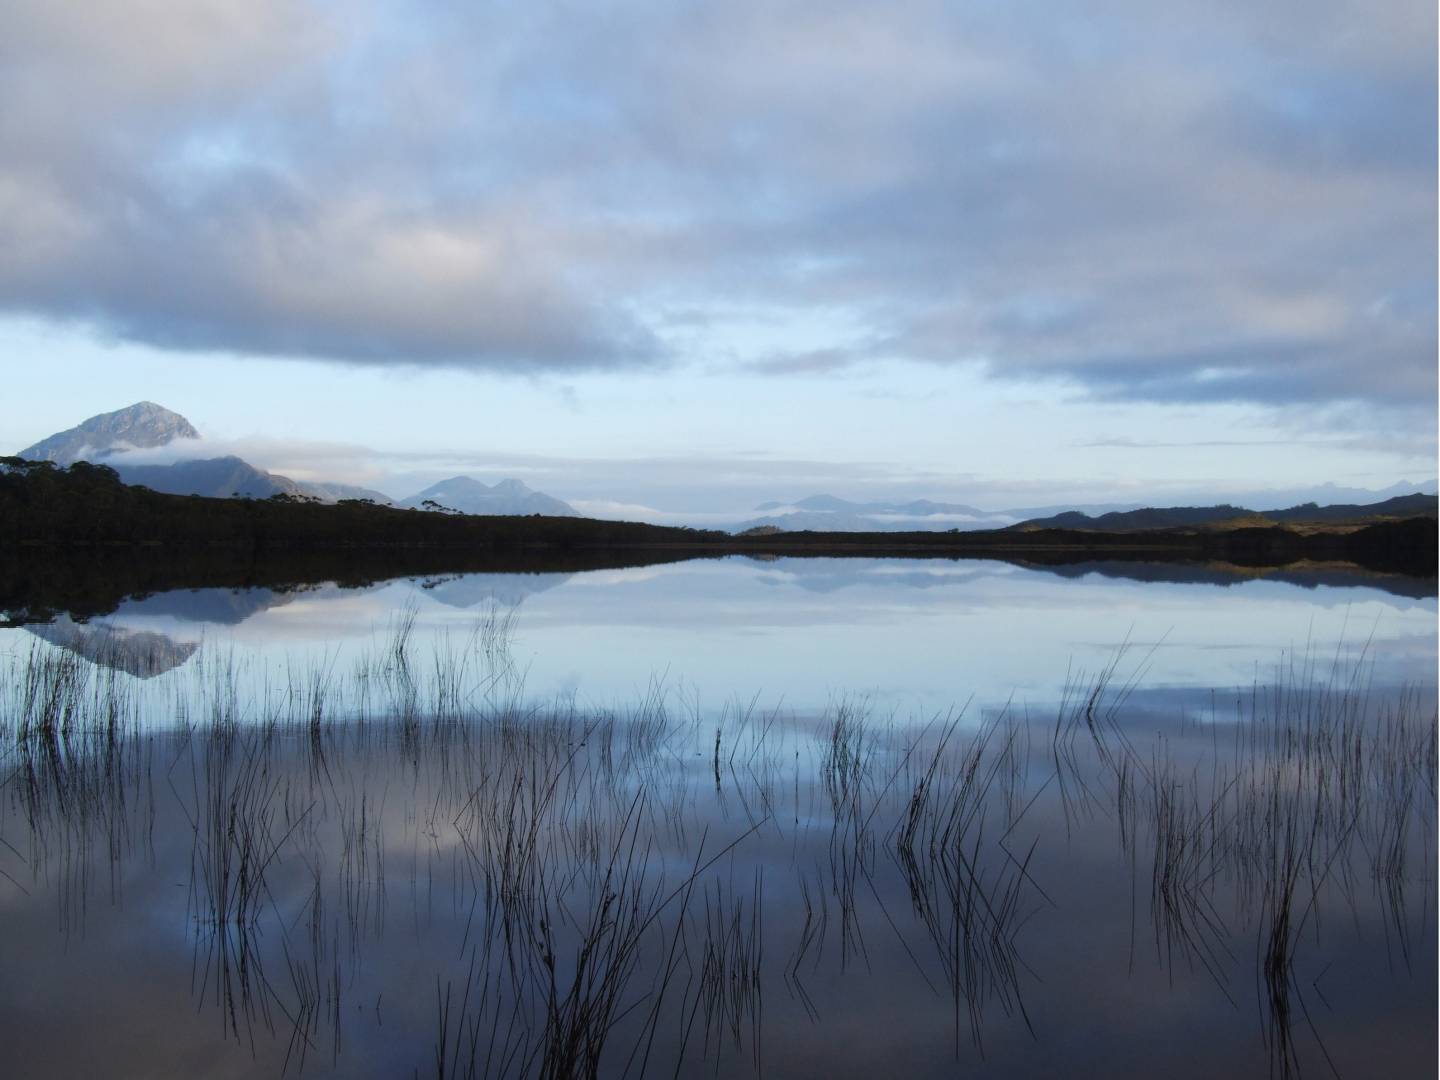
(112, 439)
(466, 495)
(1173, 517)
(218, 478)
(827, 513)
(42, 504)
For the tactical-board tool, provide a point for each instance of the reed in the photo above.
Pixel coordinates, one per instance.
(600, 928)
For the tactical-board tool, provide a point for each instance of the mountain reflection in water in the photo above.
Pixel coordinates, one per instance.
(915, 633)
(142, 653)
(451, 879)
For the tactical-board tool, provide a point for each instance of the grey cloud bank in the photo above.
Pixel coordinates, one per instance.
(1172, 202)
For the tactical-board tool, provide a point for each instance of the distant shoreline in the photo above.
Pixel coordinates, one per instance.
(38, 582)
(80, 533)
(1405, 546)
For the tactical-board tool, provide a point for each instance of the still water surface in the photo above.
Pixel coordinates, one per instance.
(915, 635)
(726, 817)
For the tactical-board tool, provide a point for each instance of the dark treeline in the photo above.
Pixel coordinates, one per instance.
(86, 504)
(47, 511)
(1406, 547)
(36, 584)
(1306, 575)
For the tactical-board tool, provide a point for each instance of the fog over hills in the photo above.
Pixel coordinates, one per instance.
(143, 425)
(917, 507)
(1412, 505)
(827, 513)
(117, 438)
(1331, 494)
(222, 477)
(1325, 502)
(328, 491)
(467, 495)
(150, 445)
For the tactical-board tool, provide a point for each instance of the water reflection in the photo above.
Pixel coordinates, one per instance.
(458, 883)
(726, 815)
(142, 653)
(478, 590)
(916, 634)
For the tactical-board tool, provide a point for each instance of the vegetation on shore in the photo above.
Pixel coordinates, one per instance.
(43, 506)
(86, 504)
(1225, 516)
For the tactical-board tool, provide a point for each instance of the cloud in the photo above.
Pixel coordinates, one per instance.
(1347, 434)
(1187, 202)
(298, 459)
(947, 519)
(610, 509)
(664, 490)
(204, 184)
(1124, 443)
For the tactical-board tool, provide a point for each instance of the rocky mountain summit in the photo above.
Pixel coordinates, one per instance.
(110, 438)
(142, 426)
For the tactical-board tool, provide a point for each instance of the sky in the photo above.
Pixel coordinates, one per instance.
(669, 260)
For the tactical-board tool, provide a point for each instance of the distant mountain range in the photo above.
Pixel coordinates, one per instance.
(1414, 505)
(1329, 494)
(130, 440)
(221, 478)
(112, 437)
(467, 495)
(827, 513)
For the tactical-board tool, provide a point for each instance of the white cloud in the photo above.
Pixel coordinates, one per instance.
(1130, 198)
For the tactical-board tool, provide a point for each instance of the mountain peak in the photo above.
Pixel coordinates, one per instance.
(511, 487)
(144, 424)
(471, 496)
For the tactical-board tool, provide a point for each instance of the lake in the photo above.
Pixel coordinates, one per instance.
(789, 817)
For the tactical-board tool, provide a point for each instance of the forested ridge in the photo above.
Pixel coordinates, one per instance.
(44, 504)
(46, 508)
